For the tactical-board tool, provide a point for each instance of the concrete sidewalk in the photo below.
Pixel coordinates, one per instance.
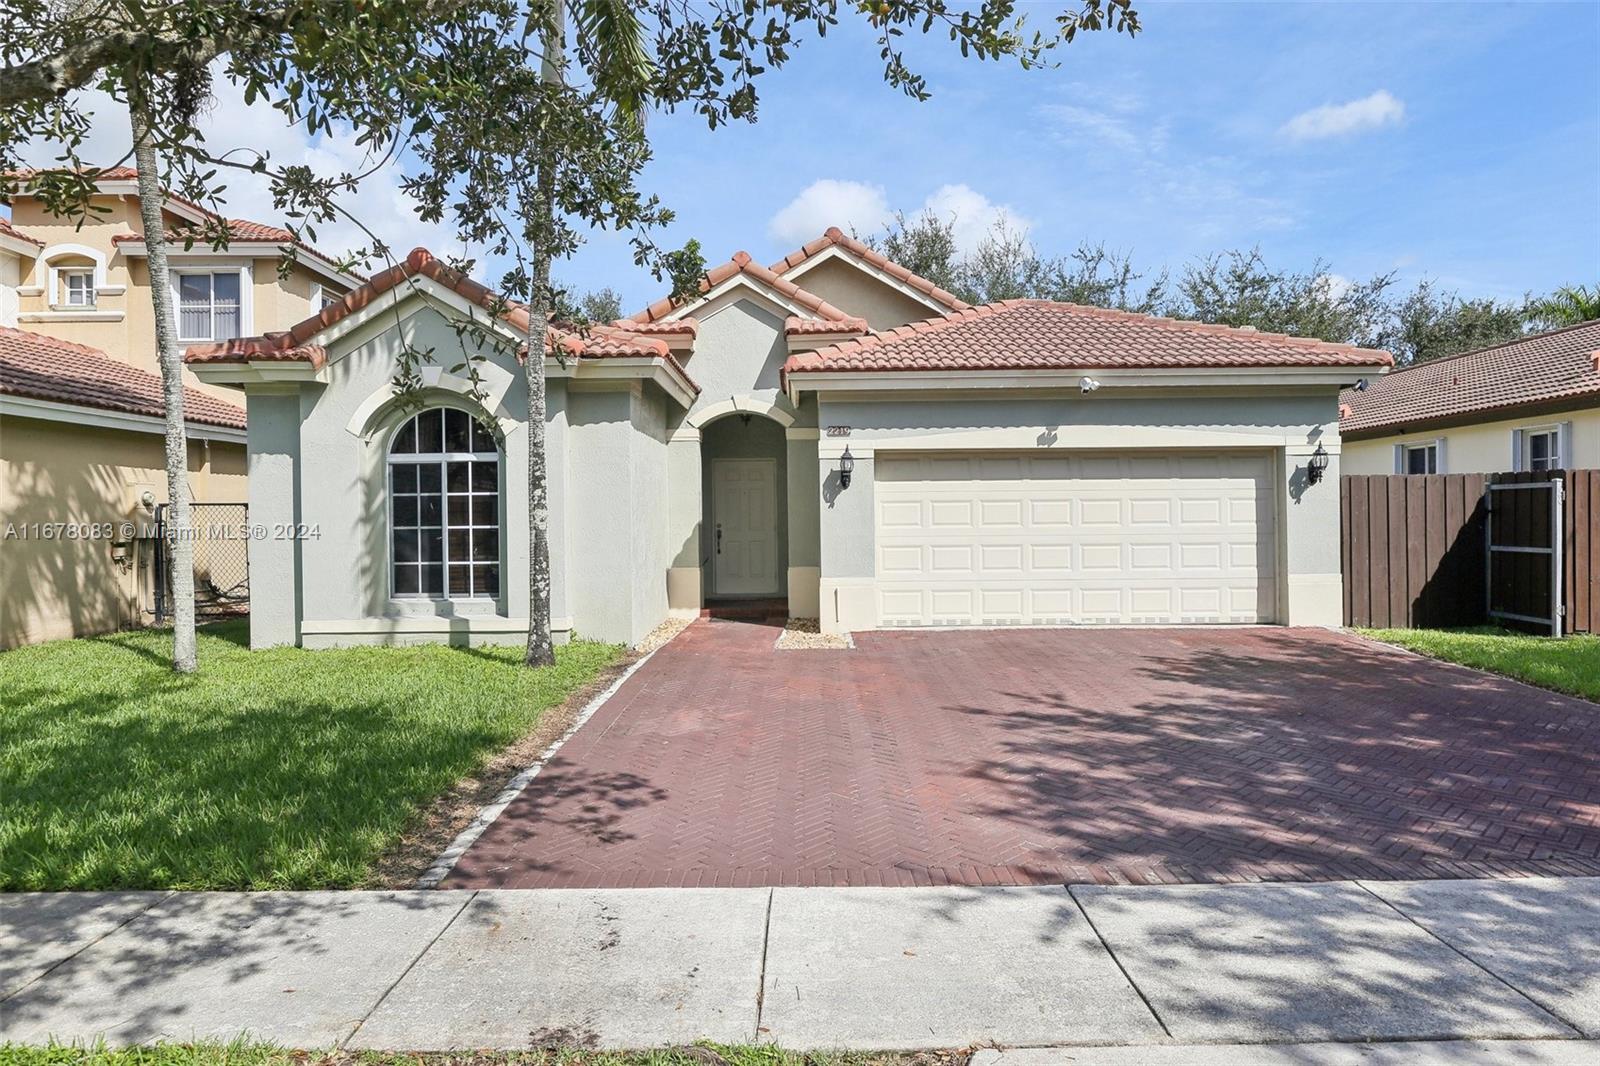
(1336, 964)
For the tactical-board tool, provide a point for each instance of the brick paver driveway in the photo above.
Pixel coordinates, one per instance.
(1019, 756)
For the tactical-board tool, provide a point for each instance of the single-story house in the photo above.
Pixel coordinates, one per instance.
(832, 430)
(1530, 404)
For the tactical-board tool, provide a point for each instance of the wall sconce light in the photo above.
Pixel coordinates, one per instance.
(847, 466)
(1317, 465)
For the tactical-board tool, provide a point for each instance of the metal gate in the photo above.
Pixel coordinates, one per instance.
(221, 537)
(1524, 545)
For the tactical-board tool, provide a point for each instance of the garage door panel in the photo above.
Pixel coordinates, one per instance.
(999, 514)
(1047, 559)
(1000, 559)
(1106, 514)
(1022, 539)
(1043, 514)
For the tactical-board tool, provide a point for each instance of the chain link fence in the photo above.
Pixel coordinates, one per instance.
(221, 538)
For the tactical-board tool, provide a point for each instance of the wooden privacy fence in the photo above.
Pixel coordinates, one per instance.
(1415, 553)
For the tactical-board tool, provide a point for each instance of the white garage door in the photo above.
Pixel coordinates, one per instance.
(1006, 539)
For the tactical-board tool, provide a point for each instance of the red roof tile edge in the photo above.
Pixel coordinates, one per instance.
(795, 326)
(741, 263)
(197, 406)
(292, 345)
(1409, 418)
(8, 230)
(820, 360)
(835, 237)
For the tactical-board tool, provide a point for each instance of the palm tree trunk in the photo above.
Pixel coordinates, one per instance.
(180, 553)
(540, 650)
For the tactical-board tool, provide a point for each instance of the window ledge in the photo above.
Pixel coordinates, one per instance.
(75, 314)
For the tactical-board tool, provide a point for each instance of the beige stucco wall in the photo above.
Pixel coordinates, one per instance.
(277, 303)
(58, 472)
(1484, 448)
(855, 292)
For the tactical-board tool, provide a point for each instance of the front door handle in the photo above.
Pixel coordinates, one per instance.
(719, 538)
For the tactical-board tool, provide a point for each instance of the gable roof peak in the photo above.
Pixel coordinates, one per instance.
(865, 254)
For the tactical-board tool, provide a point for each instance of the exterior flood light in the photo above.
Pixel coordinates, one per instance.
(1317, 465)
(1086, 385)
(847, 466)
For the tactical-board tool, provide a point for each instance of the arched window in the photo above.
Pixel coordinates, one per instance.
(444, 507)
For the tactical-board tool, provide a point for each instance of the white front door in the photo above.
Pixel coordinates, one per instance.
(744, 535)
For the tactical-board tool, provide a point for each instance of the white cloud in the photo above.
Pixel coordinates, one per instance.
(973, 215)
(230, 125)
(1086, 123)
(1339, 120)
(831, 202)
(865, 208)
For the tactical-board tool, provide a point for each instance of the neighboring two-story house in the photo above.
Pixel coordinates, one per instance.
(81, 410)
(1527, 405)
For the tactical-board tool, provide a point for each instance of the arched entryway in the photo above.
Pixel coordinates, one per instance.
(744, 500)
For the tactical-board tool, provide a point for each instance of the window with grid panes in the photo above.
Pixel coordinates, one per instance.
(444, 507)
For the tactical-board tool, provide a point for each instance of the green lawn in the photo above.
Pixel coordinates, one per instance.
(243, 1054)
(272, 769)
(1569, 665)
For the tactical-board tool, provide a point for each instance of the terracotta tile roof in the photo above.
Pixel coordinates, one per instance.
(239, 229)
(741, 263)
(244, 231)
(8, 230)
(1545, 368)
(45, 368)
(1044, 335)
(677, 327)
(835, 237)
(294, 344)
(795, 326)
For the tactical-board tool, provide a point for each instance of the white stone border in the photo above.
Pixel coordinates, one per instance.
(467, 837)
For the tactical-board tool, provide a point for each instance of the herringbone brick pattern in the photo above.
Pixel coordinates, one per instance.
(1007, 757)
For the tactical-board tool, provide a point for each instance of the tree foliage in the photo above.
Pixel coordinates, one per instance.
(521, 126)
(1233, 288)
(1005, 265)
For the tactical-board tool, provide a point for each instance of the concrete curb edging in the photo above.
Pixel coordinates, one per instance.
(486, 816)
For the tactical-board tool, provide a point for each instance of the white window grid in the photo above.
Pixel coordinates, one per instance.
(444, 509)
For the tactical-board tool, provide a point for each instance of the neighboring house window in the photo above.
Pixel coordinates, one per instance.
(208, 306)
(321, 298)
(444, 507)
(77, 288)
(1544, 449)
(1422, 459)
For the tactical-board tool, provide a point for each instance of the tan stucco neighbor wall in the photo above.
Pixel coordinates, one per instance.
(1482, 448)
(123, 322)
(57, 472)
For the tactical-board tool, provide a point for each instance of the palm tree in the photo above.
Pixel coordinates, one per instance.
(610, 36)
(180, 549)
(1567, 306)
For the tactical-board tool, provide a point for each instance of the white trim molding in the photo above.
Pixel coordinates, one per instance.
(742, 404)
(1068, 380)
(836, 252)
(100, 418)
(74, 315)
(251, 250)
(51, 280)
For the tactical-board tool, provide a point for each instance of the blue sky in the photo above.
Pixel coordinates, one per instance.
(1459, 142)
(1469, 150)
